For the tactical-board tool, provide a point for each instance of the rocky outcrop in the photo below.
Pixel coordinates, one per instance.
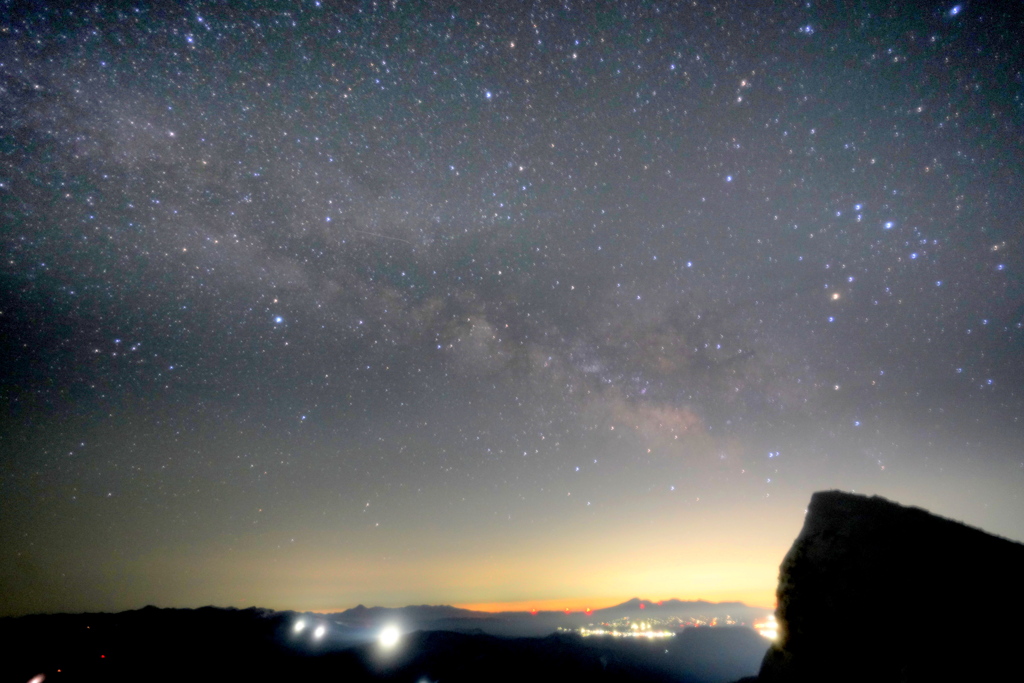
(874, 591)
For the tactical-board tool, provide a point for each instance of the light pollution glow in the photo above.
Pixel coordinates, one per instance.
(571, 568)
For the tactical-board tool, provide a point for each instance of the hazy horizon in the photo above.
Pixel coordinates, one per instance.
(423, 303)
(521, 607)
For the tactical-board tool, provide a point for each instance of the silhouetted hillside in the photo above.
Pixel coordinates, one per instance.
(873, 591)
(260, 645)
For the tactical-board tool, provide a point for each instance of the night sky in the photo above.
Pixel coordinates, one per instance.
(543, 304)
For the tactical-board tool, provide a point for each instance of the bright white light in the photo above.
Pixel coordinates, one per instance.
(299, 625)
(320, 631)
(768, 627)
(389, 637)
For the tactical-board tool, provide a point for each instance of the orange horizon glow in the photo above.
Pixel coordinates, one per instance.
(755, 600)
(578, 605)
(551, 605)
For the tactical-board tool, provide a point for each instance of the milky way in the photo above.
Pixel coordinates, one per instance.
(305, 305)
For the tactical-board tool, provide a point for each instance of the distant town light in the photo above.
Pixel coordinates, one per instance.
(320, 631)
(634, 632)
(299, 625)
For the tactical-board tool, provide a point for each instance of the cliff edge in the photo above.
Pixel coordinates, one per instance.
(874, 591)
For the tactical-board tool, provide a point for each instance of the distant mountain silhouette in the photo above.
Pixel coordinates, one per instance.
(874, 591)
(682, 608)
(540, 623)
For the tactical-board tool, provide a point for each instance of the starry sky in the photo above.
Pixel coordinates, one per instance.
(305, 305)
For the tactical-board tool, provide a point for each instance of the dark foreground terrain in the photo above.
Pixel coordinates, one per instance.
(870, 591)
(260, 645)
(875, 591)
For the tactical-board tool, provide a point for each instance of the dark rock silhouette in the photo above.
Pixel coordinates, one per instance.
(874, 591)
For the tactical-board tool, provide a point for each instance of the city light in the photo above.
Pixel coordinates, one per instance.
(299, 625)
(632, 633)
(651, 627)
